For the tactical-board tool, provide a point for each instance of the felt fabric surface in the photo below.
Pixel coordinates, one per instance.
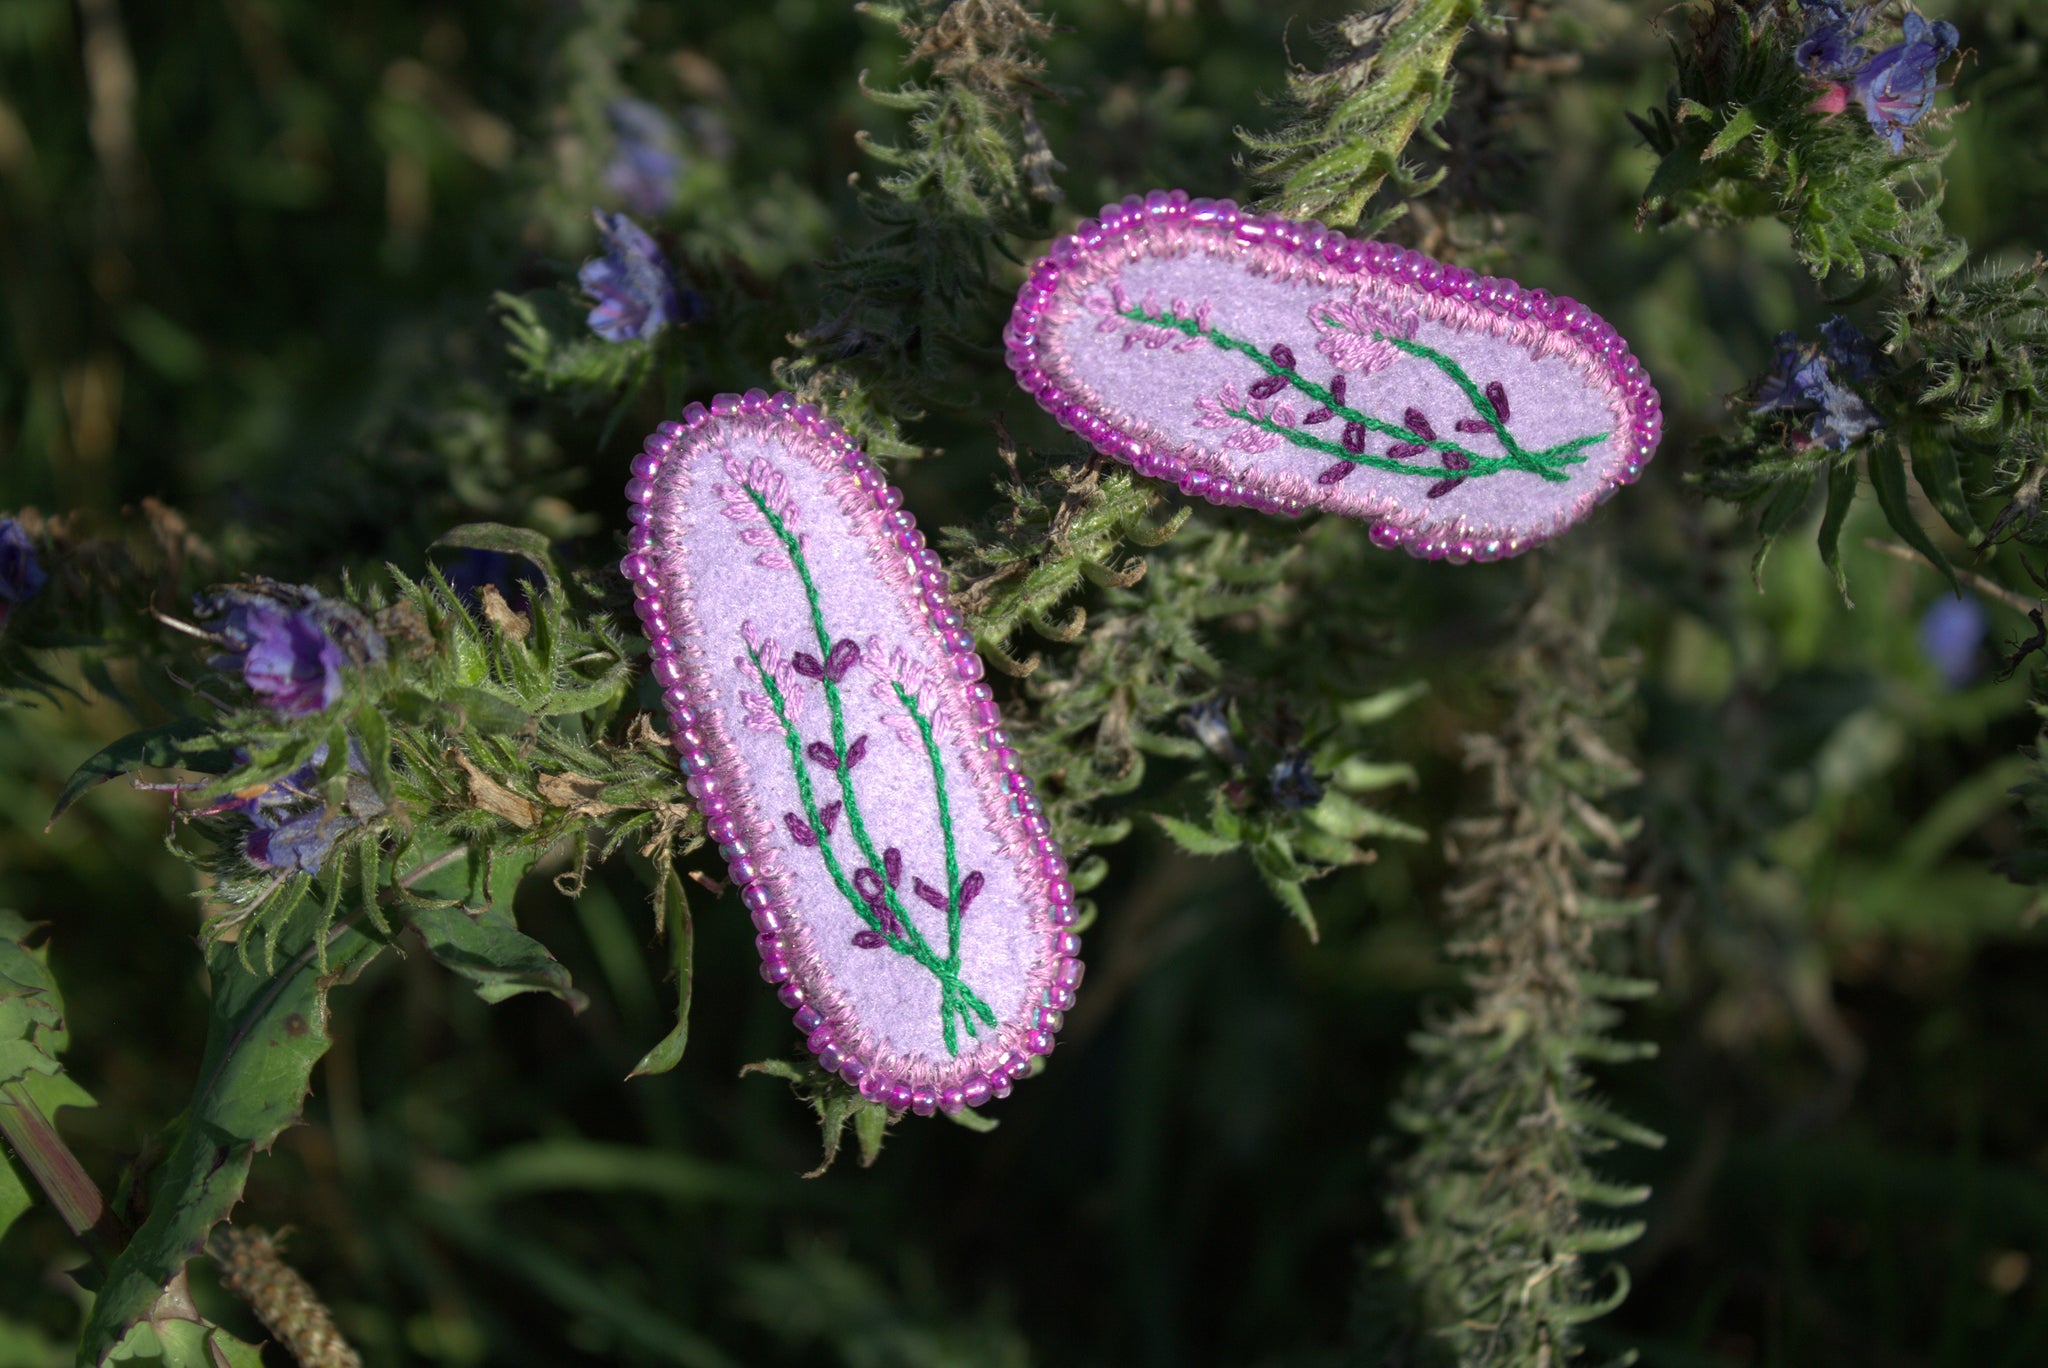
(1280, 365)
(918, 924)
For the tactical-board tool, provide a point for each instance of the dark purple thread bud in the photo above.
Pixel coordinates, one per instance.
(855, 751)
(929, 894)
(1456, 460)
(1316, 415)
(1474, 425)
(1418, 423)
(844, 657)
(1497, 395)
(1336, 474)
(1337, 387)
(869, 940)
(799, 830)
(806, 664)
(827, 815)
(822, 754)
(1401, 451)
(1283, 355)
(892, 865)
(969, 887)
(1354, 438)
(1268, 387)
(1443, 487)
(868, 884)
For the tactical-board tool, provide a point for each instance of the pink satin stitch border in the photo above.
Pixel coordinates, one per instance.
(1548, 325)
(667, 607)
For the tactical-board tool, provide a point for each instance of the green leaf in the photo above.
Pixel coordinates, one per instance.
(511, 541)
(1841, 497)
(1193, 839)
(264, 1034)
(1788, 501)
(1935, 469)
(160, 747)
(682, 945)
(1739, 126)
(185, 1344)
(486, 948)
(1364, 712)
(1888, 477)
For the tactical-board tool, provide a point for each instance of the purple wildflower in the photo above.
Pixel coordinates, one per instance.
(297, 841)
(1830, 50)
(1952, 638)
(647, 159)
(289, 644)
(1849, 352)
(635, 292)
(1802, 380)
(1896, 87)
(21, 577)
(1293, 781)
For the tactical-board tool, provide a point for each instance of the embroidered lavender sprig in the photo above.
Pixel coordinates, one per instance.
(874, 896)
(1261, 414)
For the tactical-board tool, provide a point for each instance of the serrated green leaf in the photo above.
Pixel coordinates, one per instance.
(1841, 497)
(682, 947)
(1739, 126)
(511, 541)
(485, 946)
(162, 747)
(1342, 815)
(1887, 466)
(264, 1034)
(1364, 712)
(1364, 776)
(185, 1344)
(1193, 839)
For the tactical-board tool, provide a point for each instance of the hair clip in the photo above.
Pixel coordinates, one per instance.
(913, 908)
(1284, 366)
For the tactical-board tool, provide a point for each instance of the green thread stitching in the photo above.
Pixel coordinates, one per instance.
(931, 750)
(1544, 463)
(955, 997)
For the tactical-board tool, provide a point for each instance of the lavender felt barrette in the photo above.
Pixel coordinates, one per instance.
(913, 908)
(1259, 361)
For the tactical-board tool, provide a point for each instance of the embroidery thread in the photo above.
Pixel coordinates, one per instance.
(913, 909)
(1169, 333)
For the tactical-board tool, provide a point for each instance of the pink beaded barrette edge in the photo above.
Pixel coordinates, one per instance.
(1192, 469)
(715, 786)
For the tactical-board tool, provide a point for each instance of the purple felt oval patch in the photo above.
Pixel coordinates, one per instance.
(911, 904)
(1284, 366)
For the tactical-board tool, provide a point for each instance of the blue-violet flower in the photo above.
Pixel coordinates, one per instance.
(1802, 380)
(21, 576)
(1897, 86)
(635, 292)
(1293, 782)
(1209, 720)
(289, 644)
(1952, 638)
(647, 160)
(1830, 50)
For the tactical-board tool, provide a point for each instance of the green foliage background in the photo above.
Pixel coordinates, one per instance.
(260, 263)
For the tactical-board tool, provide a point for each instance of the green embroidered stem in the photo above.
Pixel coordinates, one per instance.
(1481, 465)
(1481, 405)
(1545, 463)
(931, 750)
(955, 997)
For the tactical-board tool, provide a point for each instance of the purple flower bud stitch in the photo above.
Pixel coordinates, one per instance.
(631, 283)
(21, 575)
(289, 645)
(1198, 343)
(648, 159)
(864, 792)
